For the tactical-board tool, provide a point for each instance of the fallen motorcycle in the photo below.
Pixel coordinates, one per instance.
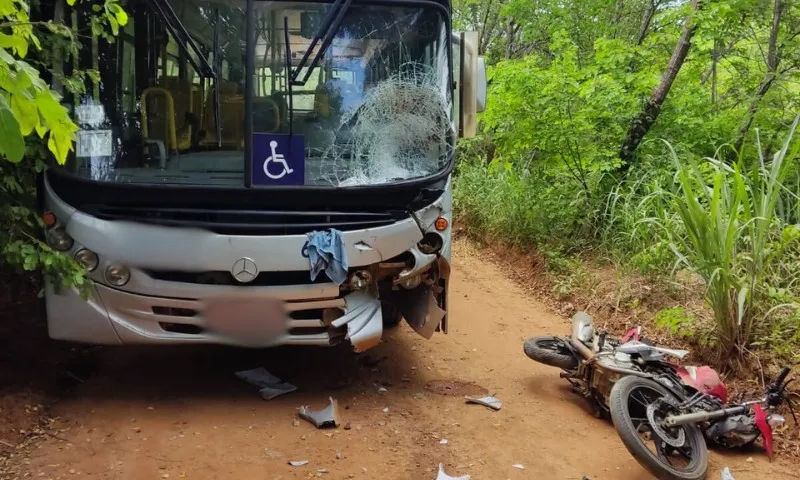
(593, 362)
(665, 418)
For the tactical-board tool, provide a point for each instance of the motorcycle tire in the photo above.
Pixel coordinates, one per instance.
(550, 351)
(698, 466)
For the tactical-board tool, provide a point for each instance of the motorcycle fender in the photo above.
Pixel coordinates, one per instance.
(704, 379)
(764, 428)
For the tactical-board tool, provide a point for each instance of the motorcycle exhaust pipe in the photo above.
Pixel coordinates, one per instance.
(581, 348)
(698, 417)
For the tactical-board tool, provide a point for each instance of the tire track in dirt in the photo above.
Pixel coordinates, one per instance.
(180, 413)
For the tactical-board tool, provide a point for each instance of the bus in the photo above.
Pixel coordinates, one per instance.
(261, 173)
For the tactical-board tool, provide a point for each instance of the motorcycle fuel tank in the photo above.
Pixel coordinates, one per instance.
(704, 379)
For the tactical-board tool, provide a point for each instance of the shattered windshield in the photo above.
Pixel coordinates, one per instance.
(376, 108)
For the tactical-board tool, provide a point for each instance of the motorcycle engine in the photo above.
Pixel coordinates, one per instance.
(733, 432)
(603, 380)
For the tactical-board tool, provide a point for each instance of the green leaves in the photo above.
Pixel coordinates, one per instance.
(36, 127)
(12, 145)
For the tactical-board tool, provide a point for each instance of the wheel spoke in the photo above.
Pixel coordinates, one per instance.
(678, 458)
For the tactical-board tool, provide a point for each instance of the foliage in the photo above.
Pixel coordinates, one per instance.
(728, 228)
(677, 320)
(34, 125)
(567, 77)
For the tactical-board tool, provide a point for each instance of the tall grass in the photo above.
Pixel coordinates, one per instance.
(729, 214)
(735, 226)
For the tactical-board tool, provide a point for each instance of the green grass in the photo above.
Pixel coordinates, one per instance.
(731, 224)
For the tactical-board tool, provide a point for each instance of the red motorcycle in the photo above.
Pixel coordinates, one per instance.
(664, 419)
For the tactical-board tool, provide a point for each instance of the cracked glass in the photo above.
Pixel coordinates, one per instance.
(375, 109)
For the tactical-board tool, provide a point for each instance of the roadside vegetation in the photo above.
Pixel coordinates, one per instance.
(35, 126)
(655, 137)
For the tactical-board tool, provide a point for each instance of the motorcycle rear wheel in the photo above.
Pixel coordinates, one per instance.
(628, 401)
(550, 351)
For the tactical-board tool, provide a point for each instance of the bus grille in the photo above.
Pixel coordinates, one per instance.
(248, 222)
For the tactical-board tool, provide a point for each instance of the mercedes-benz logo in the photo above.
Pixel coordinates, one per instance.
(244, 270)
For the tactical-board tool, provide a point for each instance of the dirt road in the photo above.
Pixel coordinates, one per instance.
(181, 413)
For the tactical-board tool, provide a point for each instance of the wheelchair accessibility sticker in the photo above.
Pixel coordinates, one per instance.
(278, 159)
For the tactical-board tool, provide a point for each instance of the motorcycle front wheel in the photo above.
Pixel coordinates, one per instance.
(551, 351)
(678, 453)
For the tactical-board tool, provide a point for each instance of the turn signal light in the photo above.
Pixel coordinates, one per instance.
(441, 224)
(49, 219)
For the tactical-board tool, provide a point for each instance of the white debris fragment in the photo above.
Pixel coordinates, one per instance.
(519, 466)
(386, 410)
(382, 390)
(298, 463)
(325, 418)
(443, 441)
(491, 402)
(443, 476)
(726, 474)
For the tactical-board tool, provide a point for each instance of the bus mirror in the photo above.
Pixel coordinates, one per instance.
(480, 86)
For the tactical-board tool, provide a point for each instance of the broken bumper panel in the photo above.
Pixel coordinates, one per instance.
(113, 317)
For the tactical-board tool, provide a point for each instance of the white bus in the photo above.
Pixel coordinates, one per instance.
(262, 173)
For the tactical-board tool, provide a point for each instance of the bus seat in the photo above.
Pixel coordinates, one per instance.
(182, 100)
(231, 116)
(322, 101)
(158, 116)
(266, 115)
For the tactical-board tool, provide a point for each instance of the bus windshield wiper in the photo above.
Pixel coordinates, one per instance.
(330, 24)
(183, 37)
(185, 41)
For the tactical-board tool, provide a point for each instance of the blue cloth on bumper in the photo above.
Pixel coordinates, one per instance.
(326, 251)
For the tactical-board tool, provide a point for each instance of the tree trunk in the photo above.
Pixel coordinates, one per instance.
(642, 123)
(510, 40)
(645, 26)
(773, 61)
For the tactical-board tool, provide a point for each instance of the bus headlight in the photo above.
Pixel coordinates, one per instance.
(117, 275)
(87, 258)
(59, 239)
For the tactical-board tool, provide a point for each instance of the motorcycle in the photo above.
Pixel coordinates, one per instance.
(594, 362)
(665, 418)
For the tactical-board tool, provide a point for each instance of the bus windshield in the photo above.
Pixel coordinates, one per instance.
(375, 109)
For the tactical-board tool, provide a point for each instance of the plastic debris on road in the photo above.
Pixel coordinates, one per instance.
(270, 386)
(519, 466)
(491, 402)
(444, 476)
(298, 463)
(726, 474)
(328, 417)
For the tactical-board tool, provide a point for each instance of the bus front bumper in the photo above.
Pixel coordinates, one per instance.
(317, 315)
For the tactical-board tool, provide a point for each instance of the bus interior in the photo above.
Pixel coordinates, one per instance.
(171, 101)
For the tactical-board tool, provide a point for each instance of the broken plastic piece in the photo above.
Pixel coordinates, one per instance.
(491, 402)
(298, 463)
(325, 418)
(519, 466)
(270, 386)
(726, 474)
(444, 476)
(364, 321)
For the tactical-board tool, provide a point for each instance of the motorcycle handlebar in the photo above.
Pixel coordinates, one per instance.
(782, 376)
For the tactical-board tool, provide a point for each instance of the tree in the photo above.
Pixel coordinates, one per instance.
(34, 125)
(644, 120)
